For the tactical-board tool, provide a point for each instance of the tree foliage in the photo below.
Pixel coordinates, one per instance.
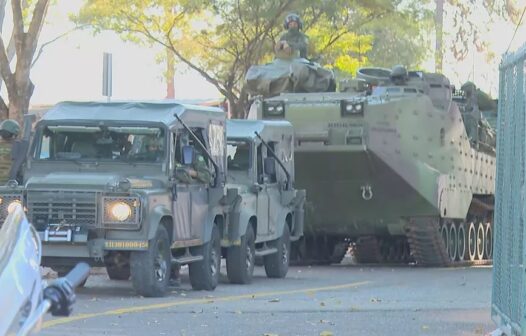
(471, 20)
(221, 39)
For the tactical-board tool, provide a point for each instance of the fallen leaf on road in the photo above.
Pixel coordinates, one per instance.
(424, 327)
(326, 333)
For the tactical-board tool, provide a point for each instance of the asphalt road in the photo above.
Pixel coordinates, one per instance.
(331, 300)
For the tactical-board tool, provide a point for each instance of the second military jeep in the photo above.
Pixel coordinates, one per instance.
(100, 186)
(265, 207)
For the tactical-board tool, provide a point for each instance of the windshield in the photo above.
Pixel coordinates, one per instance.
(97, 143)
(238, 155)
(238, 161)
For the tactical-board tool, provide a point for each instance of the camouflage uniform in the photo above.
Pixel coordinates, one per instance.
(5, 160)
(297, 41)
(9, 130)
(182, 172)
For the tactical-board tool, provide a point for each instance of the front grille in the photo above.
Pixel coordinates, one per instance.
(5, 200)
(62, 207)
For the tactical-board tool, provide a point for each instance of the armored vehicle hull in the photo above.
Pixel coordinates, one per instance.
(395, 172)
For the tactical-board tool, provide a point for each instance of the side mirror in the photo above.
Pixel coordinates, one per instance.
(18, 149)
(270, 166)
(188, 155)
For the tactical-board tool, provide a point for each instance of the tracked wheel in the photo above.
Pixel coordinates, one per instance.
(481, 240)
(461, 241)
(428, 238)
(366, 250)
(472, 242)
(488, 250)
(453, 242)
(444, 232)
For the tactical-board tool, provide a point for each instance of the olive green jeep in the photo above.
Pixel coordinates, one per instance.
(100, 184)
(264, 205)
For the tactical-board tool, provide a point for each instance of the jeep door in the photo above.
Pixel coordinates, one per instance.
(262, 196)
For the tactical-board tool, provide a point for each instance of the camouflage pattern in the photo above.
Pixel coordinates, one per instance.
(5, 160)
(183, 173)
(297, 41)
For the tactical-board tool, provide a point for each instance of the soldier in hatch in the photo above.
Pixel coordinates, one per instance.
(9, 130)
(293, 38)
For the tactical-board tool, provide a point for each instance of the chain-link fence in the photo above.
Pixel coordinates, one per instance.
(509, 274)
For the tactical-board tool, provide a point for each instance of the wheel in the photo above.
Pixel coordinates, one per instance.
(150, 269)
(240, 259)
(204, 274)
(481, 241)
(472, 241)
(444, 232)
(453, 242)
(118, 273)
(489, 242)
(461, 241)
(277, 264)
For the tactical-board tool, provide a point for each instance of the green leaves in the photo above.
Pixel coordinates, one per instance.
(221, 39)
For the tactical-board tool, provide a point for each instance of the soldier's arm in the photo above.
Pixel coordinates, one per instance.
(203, 175)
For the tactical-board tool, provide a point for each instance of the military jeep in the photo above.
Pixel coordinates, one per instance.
(265, 207)
(100, 186)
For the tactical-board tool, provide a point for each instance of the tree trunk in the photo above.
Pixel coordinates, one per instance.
(439, 32)
(170, 73)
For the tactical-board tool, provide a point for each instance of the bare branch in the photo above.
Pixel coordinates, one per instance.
(35, 26)
(18, 25)
(41, 49)
(5, 70)
(4, 110)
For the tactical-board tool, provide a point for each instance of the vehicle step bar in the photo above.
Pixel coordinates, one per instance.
(186, 259)
(266, 251)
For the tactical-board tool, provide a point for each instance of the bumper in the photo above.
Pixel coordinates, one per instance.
(78, 246)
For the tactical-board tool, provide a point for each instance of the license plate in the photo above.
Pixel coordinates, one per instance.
(58, 234)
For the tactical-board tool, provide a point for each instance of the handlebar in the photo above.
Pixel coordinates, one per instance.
(78, 274)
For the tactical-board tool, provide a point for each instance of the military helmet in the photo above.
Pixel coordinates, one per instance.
(10, 126)
(468, 85)
(399, 72)
(292, 17)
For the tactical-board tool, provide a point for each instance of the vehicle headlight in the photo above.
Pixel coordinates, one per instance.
(273, 109)
(351, 108)
(121, 210)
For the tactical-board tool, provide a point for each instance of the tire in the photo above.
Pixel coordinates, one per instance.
(150, 269)
(277, 264)
(240, 259)
(118, 273)
(204, 274)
